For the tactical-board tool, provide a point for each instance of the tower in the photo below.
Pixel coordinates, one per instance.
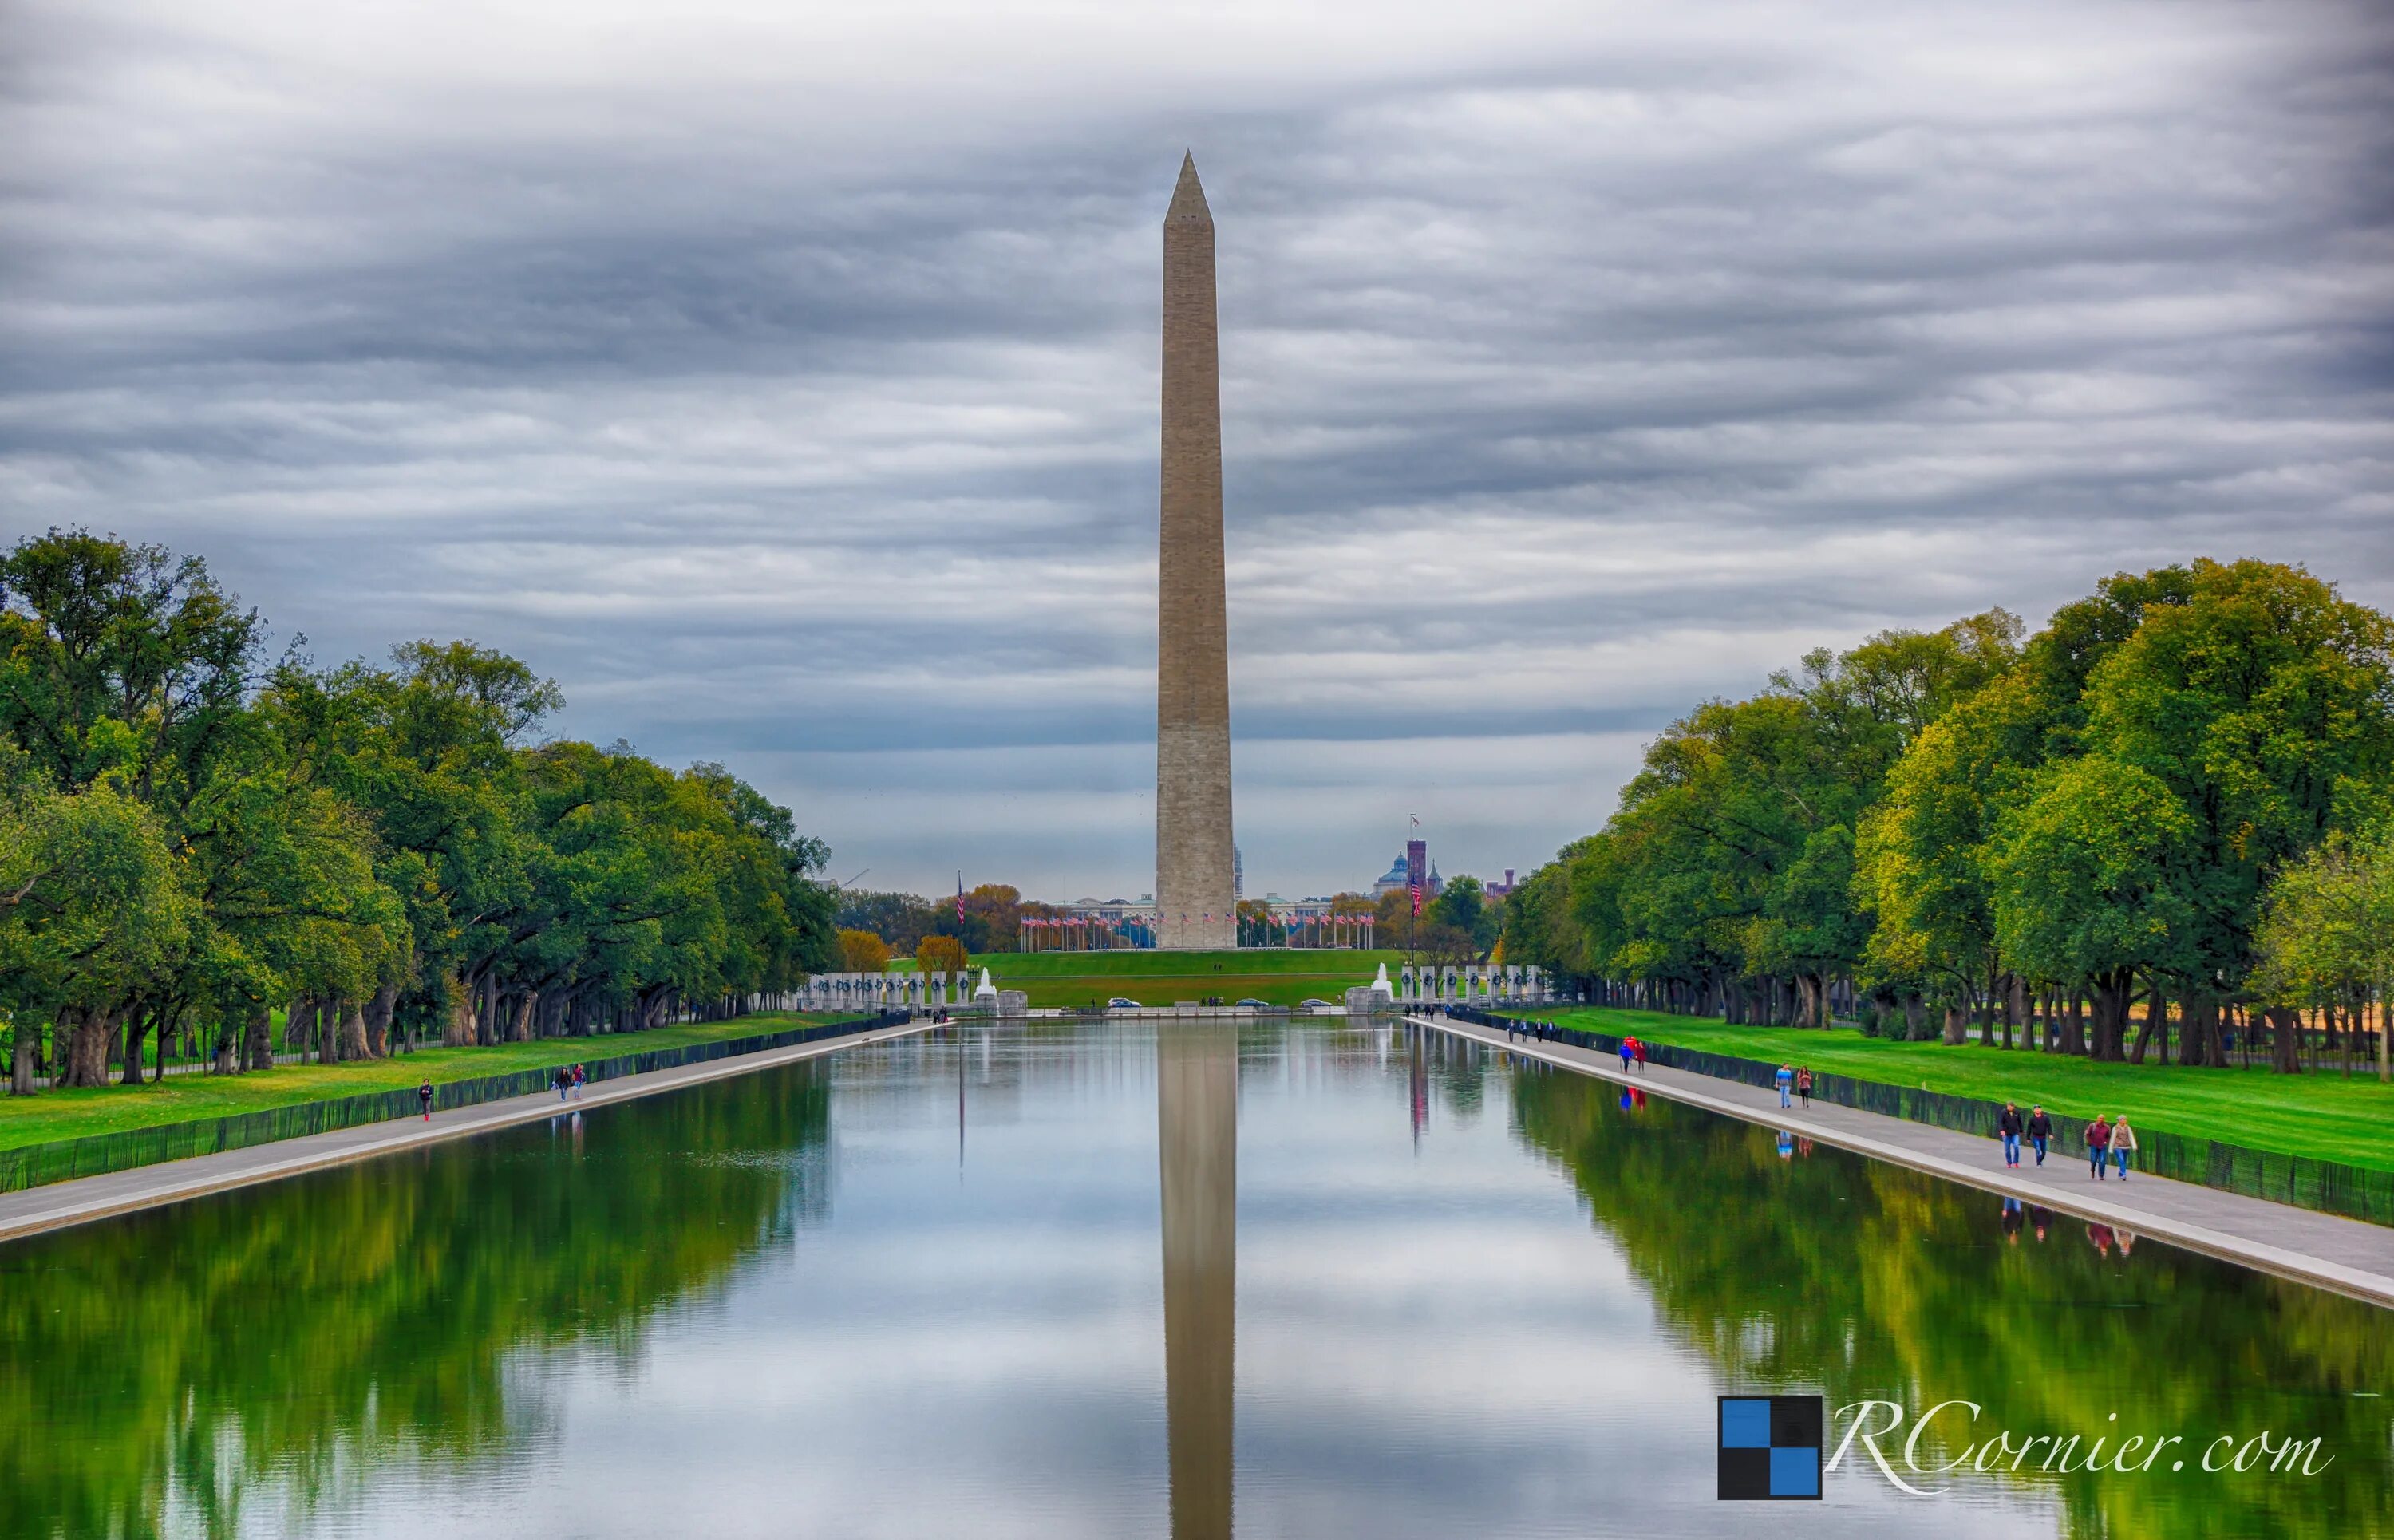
(1195, 890)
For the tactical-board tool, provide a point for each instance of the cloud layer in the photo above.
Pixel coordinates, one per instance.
(783, 380)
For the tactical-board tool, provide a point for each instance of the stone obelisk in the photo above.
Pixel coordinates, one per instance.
(1195, 906)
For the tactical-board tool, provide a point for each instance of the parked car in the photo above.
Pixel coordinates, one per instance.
(1316, 1004)
(1250, 1003)
(1122, 1002)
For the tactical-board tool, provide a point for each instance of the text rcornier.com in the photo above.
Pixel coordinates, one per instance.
(1877, 1426)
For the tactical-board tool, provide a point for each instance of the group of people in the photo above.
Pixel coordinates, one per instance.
(568, 1080)
(1797, 1081)
(1516, 1030)
(1632, 1056)
(2110, 1141)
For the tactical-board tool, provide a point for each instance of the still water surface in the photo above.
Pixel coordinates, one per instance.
(1080, 1281)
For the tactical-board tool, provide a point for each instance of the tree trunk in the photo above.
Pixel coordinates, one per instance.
(377, 1021)
(2112, 993)
(458, 1027)
(86, 1055)
(355, 1043)
(2073, 1026)
(2155, 1004)
(1957, 1024)
(257, 1039)
(136, 1030)
(2285, 1039)
(20, 1058)
(523, 1017)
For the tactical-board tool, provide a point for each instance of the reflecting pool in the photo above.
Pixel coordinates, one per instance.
(1106, 1280)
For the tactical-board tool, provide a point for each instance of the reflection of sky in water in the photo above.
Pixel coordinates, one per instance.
(1432, 1336)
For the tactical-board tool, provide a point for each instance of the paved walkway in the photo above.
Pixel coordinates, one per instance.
(79, 1202)
(2347, 1255)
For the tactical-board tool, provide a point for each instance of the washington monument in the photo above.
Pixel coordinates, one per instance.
(1195, 906)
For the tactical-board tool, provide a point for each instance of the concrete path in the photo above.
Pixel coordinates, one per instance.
(88, 1198)
(2347, 1255)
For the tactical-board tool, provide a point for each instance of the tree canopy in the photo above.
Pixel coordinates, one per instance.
(1973, 819)
(195, 835)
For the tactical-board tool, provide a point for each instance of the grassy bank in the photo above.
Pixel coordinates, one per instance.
(1281, 976)
(2324, 1116)
(65, 1115)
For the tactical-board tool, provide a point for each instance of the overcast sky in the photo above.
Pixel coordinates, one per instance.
(781, 378)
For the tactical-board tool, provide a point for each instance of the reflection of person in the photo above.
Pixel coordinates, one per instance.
(2040, 1129)
(1787, 1145)
(2101, 1236)
(2010, 1124)
(2128, 1239)
(1804, 1148)
(2011, 1220)
(1785, 1078)
(2098, 1145)
(2123, 1144)
(2040, 1219)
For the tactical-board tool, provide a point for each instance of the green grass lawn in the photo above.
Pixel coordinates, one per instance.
(1248, 962)
(62, 1114)
(1282, 976)
(2324, 1115)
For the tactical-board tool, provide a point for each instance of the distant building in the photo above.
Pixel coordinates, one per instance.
(1393, 881)
(1502, 889)
(1238, 873)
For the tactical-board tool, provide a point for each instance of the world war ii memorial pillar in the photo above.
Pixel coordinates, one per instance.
(1195, 906)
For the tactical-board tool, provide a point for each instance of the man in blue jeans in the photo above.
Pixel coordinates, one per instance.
(1785, 1077)
(2039, 1130)
(2008, 1124)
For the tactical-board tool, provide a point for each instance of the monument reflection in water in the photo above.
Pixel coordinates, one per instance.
(1197, 1141)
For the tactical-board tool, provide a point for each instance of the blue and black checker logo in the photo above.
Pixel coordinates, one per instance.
(1769, 1449)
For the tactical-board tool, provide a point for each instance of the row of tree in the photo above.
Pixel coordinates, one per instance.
(2180, 793)
(196, 839)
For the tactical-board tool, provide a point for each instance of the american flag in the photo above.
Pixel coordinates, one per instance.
(1415, 890)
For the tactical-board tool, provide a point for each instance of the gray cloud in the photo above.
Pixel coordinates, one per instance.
(784, 382)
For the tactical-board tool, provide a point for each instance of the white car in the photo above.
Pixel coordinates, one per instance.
(1122, 1002)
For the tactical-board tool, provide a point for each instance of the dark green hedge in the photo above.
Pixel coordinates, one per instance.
(63, 1160)
(2327, 1186)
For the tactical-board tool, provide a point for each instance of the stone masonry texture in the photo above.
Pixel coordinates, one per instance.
(1195, 909)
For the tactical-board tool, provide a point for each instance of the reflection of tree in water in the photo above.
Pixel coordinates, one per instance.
(299, 1335)
(1865, 1279)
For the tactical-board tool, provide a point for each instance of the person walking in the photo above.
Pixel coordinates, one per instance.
(1804, 1086)
(2124, 1146)
(560, 1080)
(580, 1075)
(2039, 1131)
(1785, 1079)
(424, 1097)
(1639, 1044)
(2010, 1125)
(2098, 1146)
(1628, 1052)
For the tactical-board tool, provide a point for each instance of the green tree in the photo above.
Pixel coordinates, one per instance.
(2326, 935)
(2088, 884)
